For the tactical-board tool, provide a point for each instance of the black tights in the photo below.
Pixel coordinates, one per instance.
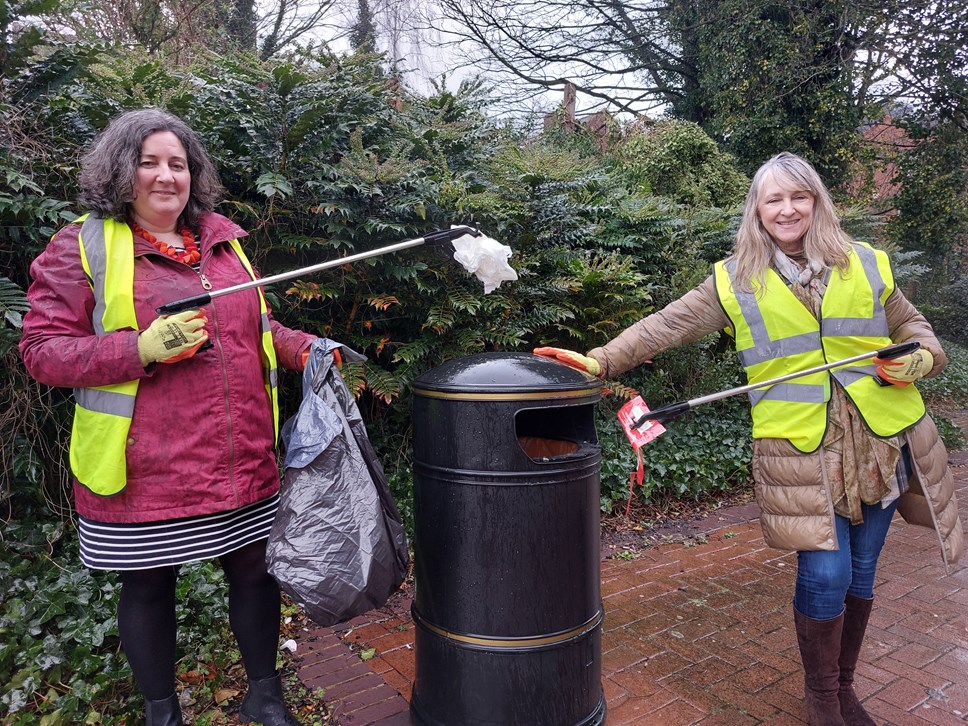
(146, 619)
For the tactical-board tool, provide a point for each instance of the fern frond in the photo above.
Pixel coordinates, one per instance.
(382, 383)
(312, 291)
(412, 351)
(354, 377)
(382, 302)
(439, 318)
(13, 302)
(626, 393)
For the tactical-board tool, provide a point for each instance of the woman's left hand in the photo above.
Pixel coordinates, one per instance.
(337, 359)
(906, 369)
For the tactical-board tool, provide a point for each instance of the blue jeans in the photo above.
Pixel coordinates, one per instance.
(824, 578)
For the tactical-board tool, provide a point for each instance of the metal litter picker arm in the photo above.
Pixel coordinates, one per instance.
(667, 413)
(195, 301)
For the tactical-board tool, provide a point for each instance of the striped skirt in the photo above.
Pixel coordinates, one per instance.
(143, 545)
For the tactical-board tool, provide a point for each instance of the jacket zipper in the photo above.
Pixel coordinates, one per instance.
(207, 285)
(225, 386)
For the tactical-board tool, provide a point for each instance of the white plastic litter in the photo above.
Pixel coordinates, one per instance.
(486, 259)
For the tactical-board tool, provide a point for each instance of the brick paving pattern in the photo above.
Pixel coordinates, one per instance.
(701, 632)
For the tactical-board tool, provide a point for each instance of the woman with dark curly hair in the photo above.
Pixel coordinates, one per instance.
(172, 446)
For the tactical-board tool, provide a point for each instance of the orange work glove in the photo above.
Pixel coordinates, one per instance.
(571, 358)
(337, 359)
(905, 369)
(171, 338)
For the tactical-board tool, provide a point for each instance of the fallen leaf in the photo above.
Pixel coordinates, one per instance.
(224, 694)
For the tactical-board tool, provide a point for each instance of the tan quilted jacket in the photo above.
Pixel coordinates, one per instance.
(791, 487)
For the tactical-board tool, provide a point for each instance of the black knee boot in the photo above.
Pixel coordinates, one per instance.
(263, 704)
(166, 712)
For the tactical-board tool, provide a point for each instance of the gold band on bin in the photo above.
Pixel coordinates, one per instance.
(493, 642)
(508, 396)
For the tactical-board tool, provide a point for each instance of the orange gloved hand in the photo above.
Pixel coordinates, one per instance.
(571, 358)
(337, 359)
(906, 369)
(171, 338)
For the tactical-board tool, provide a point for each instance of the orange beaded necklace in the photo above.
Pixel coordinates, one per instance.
(190, 255)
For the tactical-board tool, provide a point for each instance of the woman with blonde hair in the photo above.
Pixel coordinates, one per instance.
(835, 453)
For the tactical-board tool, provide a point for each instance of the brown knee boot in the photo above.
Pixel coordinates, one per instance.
(819, 642)
(857, 612)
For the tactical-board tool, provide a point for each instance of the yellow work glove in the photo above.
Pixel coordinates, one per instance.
(906, 369)
(571, 358)
(171, 338)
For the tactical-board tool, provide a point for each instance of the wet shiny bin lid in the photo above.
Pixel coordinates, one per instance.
(507, 376)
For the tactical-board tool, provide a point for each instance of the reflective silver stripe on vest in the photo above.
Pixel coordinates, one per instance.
(273, 372)
(874, 326)
(764, 348)
(794, 345)
(92, 237)
(795, 392)
(846, 376)
(94, 399)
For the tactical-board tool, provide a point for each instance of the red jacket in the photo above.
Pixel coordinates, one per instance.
(201, 438)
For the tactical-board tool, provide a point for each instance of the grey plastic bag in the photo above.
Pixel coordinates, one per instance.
(337, 546)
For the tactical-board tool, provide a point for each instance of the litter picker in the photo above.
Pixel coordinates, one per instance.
(667, 413)
(642, 426)
(436, 237)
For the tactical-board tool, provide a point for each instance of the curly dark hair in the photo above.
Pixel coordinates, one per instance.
(108, 170)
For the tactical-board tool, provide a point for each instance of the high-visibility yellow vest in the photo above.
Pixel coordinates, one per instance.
(269, 364)
(776, 335)
(102, 414)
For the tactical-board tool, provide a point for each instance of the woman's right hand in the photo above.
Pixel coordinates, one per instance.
(171, 338)
(571, 358)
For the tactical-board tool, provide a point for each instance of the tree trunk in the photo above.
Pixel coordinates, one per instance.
(241, 24)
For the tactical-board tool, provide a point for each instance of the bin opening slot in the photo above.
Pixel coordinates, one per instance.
(540, 448)
(558, 431)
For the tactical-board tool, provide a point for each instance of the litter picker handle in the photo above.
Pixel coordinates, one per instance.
(449, 235)
(896, 350)
(436, 237)
(663, 414)
(186, 303)
(667, 413)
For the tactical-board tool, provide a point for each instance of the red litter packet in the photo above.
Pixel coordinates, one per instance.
(632, 412)
(638, 437)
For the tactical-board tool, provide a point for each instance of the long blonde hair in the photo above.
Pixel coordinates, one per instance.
(825, 242)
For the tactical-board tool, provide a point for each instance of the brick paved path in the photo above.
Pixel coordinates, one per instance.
(704, 634)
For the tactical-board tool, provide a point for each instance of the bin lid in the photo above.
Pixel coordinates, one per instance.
(506, 376)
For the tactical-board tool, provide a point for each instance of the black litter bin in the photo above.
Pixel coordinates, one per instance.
(508, 607)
